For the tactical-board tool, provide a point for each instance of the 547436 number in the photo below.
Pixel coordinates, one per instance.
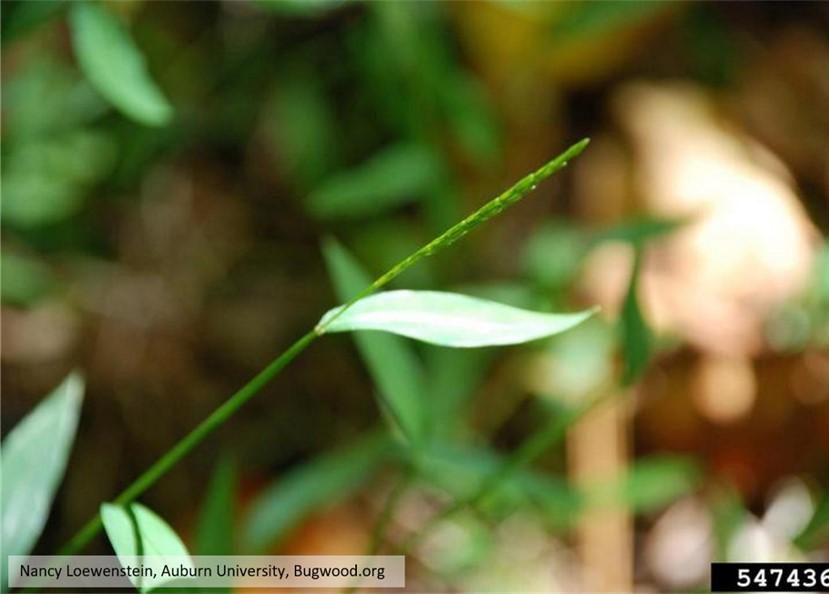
(770, 577)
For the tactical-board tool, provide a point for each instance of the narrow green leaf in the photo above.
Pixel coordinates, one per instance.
(464, 472)
(34, 456)
(137, 531)
(396, 176)
(114, 65)
(651, 483)
(214, 535)
(448, 319)
(320, 482)
(656, 481)
(638, 230)
(469, 115)
(393, 366)
(635, 333)
(301, 125)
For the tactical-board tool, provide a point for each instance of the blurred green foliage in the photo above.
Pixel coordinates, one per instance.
(215, 533)
(390, 179)
(25, 279)
(114, 66)
(34, 459)
(635, 334)
(316, 484)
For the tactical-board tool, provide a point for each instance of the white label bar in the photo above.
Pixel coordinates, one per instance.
(248, 571)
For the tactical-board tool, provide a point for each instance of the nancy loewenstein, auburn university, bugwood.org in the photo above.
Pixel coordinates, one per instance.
(185, 571)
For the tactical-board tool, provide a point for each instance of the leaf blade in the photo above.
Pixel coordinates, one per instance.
(114, 66)
(641, 229)
(214, 533)
(655, 481)
(448, 319)
(392, 364)
(34, 457)
(322, 481)
(138, 531)
(394, 177)
(636, 336)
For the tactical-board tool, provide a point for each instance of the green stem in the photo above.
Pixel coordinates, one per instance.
(249, 390)
(492, 208)
(191, 440)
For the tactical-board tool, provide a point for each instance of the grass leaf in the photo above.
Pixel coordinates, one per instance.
(655, 481)
(323, 481)
(34, 457)
(639, 230)
(136, 531)
(301, 126)
(393, 365)
(449, 319)
(396, 176)
(114, 65)
(635, 333)
(214, 535)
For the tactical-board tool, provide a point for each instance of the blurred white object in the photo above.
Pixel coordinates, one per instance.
(679, 548)
(753, 543)
(769, 539)
(751, 244)
(790, 510)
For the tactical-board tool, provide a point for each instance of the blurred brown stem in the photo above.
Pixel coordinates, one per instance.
(597, 448)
